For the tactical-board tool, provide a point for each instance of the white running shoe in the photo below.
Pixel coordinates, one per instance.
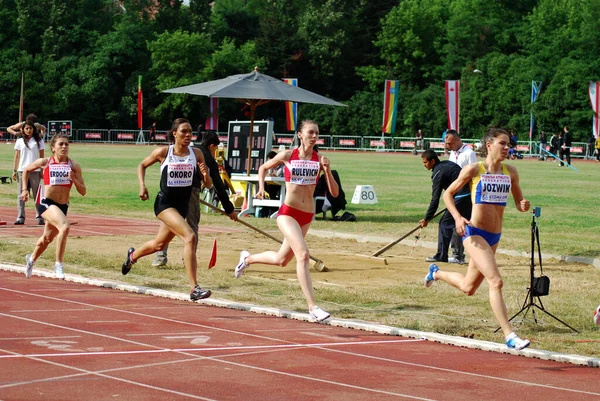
(241, 266)
(29, 265)
(318, 314)
(515, 342)
(58, 271)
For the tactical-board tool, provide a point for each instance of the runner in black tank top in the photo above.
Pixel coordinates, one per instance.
(179, 162)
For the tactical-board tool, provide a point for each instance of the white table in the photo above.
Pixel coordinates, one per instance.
(252, 187)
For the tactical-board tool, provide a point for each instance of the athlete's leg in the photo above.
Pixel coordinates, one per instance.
(294, 236)
(178, 226)
(55, 218)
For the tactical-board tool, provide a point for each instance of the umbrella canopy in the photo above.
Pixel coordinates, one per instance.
(254, 89)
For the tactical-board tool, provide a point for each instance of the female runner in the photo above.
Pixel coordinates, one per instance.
(302, 167)
(59, 174)
(491, 183)
(178, 164)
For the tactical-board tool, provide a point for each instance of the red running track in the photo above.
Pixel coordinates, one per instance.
(61, 340)
(84, 225)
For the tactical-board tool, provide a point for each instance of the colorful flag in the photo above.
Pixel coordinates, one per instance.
(536, 88)
(212, 121)
(213, 255)
(453, 104)
(291, 108)
(390, 106)
(140, 102)
(595, 99)
(22, 100)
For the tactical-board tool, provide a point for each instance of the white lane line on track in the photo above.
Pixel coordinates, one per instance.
(423, 366)
(206, 349)
(85, 372)
(167, 334)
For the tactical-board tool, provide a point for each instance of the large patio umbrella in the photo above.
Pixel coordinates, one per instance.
(254, 89)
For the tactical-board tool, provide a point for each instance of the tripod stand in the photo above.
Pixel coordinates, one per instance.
(532, 293)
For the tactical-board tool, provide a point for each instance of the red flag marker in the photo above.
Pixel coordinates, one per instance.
(213, 255)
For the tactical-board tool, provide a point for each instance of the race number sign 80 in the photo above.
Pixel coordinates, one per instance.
(364, 194)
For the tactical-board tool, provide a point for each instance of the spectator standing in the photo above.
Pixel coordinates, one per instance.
(419, 140)
(566, 146)
(543, 142)
(28, 148)
(554, 145)
(463, 155)
(152, 132)
(598, 149)
(590, 147)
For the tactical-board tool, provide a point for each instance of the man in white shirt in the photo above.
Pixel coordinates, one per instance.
(463, 155)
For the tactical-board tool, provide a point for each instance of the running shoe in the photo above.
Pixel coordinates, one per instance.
(457, 260)
(515, 342)
(29, 265)
(40, 221)
(19, 222)
(318, 314)
(429, 279)
(199, 293)
(58, 271)
(159, 261)
(128, 262)
(241, 266)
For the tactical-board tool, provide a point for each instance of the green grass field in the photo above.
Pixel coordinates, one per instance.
(568, 226)
(569, 223)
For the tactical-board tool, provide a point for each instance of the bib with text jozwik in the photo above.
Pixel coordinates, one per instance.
(493, 188)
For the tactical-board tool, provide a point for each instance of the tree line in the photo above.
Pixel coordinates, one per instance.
(81, 60)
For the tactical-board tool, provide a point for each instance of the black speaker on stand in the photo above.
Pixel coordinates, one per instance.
(538, 286)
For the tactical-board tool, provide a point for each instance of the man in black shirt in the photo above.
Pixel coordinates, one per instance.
(444, 174)
(566, 146)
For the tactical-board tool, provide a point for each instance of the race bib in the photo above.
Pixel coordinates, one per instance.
(304, 172)
(495, 188)
(180, 174)
(59, 174)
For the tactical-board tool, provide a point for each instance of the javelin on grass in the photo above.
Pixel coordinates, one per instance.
(391, 244)
(319, 265)
(560, 160)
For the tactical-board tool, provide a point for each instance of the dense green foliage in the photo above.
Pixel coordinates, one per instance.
(82, 58)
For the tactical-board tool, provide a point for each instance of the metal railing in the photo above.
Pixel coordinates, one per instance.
(579, 150)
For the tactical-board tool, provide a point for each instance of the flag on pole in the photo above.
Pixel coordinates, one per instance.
(212, 121)
(595, 99)
(140, 102)
(22, 99)
(453, 104)
(390, 106)
(291, 108)
(536, 88)
(213, 255)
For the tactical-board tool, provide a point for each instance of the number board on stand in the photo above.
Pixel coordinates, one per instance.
(237, 145)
